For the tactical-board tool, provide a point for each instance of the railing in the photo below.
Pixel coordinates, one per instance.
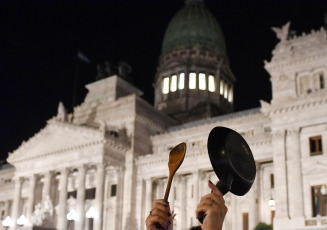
(317, 221)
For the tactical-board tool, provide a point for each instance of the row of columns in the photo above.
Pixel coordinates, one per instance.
(199, 179)
(62, 206)
(288, 174)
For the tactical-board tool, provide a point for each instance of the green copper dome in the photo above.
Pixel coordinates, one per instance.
(194, 25)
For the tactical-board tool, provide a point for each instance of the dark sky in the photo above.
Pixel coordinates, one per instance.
(40, 39)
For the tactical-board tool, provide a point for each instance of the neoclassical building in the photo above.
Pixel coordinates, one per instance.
(102, 166)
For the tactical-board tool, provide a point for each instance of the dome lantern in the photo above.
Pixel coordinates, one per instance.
(193, 79)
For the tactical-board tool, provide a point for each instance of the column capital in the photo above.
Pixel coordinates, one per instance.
(278, 134)
(82, 168)
(19, 180)
(294, 131)
(65, 170)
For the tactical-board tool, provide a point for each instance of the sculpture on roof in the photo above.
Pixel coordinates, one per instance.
(104, 70)
(282, 33)
(62, 113)
(124, 70)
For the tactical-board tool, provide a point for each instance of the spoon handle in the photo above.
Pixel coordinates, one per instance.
(170, 179)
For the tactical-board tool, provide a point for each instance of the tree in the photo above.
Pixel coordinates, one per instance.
(263, 226)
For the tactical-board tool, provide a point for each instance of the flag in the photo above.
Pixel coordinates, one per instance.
(81, 56)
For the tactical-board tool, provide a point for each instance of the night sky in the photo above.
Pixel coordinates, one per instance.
(40, 40)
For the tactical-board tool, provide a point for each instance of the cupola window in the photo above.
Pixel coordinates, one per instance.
(230, 95)
(226, 91)
(181, 81)
(165, 85)
(211, 82)
(221, 90)
(173, 83)
(192, 80)
(202, 81)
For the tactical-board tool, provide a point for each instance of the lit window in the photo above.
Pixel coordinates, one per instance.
(211, 81)
(226, 91)
(202, 81)
(230, 95)
(192, 81)
(315, 145)
(319, 200)
(181, 81)
(165, 85)
(221, 87)
(173, 83)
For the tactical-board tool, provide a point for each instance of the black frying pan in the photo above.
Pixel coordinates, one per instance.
(232, 161)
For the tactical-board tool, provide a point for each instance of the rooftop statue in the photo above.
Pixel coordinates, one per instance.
(282, 33)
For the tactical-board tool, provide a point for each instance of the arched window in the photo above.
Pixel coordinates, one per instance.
(211, 83)
(165, 85)
(226, 90)
(192, 80)
(221, 90)
(202, 81)
(181, 81)
(173, 83)
(230, 95)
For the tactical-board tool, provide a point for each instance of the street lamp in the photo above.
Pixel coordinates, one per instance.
(7, 222)
(271, 202)
(21, 220)
(72, 215)
(90, 214)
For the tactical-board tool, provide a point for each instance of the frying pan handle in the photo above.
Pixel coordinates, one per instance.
(224, 187)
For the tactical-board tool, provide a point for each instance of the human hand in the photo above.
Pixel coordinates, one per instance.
(161, 214)
(214, 208)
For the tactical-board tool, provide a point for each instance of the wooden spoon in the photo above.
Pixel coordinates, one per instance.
(176, 158)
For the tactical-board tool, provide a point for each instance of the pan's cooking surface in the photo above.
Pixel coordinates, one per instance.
(240, 156)
(231, 158)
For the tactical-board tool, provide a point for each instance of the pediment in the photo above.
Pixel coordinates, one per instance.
(316, 168)
(55, 137)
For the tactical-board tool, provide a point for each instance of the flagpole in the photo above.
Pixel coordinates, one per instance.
(75, 81)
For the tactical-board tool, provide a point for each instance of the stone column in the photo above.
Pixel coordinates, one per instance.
(62, 218)
(148, 196)
(80, 199)
(196, 188)
(46, 185)
(254, 206)
(280, 173)
(16, 201)
(183, 203)
(119, 199)
(7, 208)
(99, 197)
(31, 192)
(294, 173)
